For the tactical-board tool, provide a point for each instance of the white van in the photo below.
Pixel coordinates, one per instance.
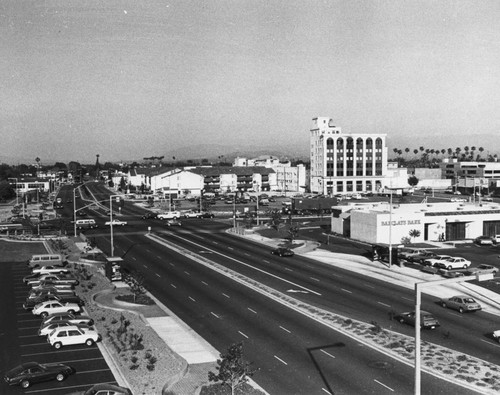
(85, 224)
(46, 260)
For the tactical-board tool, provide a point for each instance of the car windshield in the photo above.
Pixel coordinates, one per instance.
(469, 300)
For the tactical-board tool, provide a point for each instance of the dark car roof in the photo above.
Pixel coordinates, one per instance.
(100, 387)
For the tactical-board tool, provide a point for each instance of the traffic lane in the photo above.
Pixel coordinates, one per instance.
(372, 300)
(26, 346)
(224, 313)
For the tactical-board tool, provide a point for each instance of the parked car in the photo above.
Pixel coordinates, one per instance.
(55, 278)
(409, 253)
(45, 330)
(483, 269)
(75, 319)
(72, 335)
(435, 261)
(49, 270)
(496, 335)
(483, 240)
(461, 303)
(30, 303)
(173, 222)
(281, 251)
(50, 307)
(454, 263)
(150, 216)
(191, 214)
(170, 215)
(422, 256)
(33, 372)
(108, 389)
(206, 214)
(457, 199)
(451, 273)
(53, 284)
(34, 293)
(427, 320)
(116, 222)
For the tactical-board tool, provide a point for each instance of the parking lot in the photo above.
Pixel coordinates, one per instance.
(20, 343)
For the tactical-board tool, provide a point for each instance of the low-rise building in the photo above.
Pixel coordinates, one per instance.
(393, 224)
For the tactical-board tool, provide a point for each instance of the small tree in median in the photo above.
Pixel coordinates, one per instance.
(135, 281)
(232, 370)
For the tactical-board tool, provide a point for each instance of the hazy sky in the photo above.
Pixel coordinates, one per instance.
(129, 79)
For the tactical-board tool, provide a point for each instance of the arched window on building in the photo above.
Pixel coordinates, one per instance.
(349, 166)
(340, 157)
(369, 156)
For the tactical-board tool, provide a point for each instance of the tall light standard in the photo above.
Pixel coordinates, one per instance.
(390, 229)
(418, 297)
(17, 196)
(111, 220)
(74, 210)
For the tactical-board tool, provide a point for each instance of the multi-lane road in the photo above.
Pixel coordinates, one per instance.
(294, 354)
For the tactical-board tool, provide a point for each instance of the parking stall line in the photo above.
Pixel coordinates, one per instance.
(60, 351)
(327, 353)
(242, 334)
(383, 385)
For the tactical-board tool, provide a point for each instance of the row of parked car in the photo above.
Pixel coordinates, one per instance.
(52, 297)
(433, 263)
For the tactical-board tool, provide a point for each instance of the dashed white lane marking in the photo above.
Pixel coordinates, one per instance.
(253, 311)
(346, 290)
(384, 304)
(383, 385)
(286, 330)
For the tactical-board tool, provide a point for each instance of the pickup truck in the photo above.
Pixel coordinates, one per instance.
(170, 215)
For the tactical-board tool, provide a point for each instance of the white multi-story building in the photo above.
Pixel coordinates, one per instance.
(346, 163)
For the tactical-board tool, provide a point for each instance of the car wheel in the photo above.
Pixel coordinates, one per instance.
(25, 383)
(449, 267)
(465, 266)
(460, 310)
(71, 311)
(44, 314)
(57, 345)
(60, 377)
(443, 304)
(175, 217)
(402, 321)
(89, 342)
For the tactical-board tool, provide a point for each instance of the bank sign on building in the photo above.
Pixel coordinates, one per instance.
(379, 223)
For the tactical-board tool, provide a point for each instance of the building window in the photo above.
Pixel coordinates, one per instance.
(340, 186)
(349, 186)
(359, 186)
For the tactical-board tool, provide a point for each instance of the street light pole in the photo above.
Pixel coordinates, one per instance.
(111, 222)
(74, 210)
(418, 298)
(390, 230)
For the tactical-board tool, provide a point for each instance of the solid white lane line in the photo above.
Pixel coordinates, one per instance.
(286, 330)
(383, 385)
(279, 359)
(253, 311)
(490, 343)
(242, 334)
(327, 353)
(346, 290)
(384, 304)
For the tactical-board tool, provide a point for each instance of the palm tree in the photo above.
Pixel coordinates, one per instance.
(450, 152)
(415, 151)
(480, 149)
(443, 151)
(407, 150)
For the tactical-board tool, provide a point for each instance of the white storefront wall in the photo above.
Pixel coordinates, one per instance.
(384, 226)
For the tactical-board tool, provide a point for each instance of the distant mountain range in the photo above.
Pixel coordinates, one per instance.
(298, 150)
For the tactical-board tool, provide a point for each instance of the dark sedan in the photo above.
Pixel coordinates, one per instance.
(150, 216)
(33, 372)
(281, 251)
(32, 302)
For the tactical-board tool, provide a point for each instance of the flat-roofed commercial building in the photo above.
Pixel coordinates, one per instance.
(380, 223)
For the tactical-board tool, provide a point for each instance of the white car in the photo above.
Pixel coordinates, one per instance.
(454, 263)
(116, 222)
(70, 335)
(50, 307)
(46, 329)
(496, 335)
(49, 270)
(170, 215)
(458, 200)
(191, 214)
(435, 261)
